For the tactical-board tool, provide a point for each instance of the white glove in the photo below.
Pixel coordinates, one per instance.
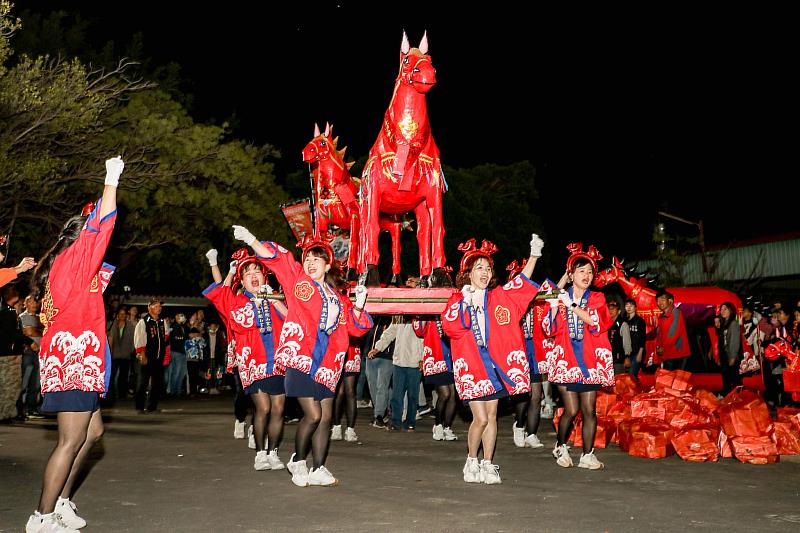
(266, 288)
(553, 303)
(361, 296)
(467, 291)
(232, 266)
(536, 246)
(243, 234)
(564, 297)
(114, 168)
(212, 257)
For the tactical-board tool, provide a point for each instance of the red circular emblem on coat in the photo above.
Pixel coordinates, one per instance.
(303, 291)
(502, 315)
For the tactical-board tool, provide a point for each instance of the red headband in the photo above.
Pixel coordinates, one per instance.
(486, 250)
(576, 252)
(515, 268)
(320, 241)
(244, 259)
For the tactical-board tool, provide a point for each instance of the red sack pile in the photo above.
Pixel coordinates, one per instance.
(694, 414)
(660, 405)
(626, 386)
(673, 379)
(746, 422)
(755, 450)
(646, 437)
(707, 400)
(789, 414)
(697, 443)
(786, 438)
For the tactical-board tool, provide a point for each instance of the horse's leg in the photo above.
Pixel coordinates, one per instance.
(394, 231)
(369, 219)
(423, 238)
(434, 204)
(355, 228)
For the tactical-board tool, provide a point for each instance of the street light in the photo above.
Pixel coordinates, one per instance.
(699, 225)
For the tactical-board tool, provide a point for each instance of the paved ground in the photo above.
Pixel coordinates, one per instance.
(181, 470)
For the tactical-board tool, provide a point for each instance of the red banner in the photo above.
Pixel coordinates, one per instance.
(298, 215)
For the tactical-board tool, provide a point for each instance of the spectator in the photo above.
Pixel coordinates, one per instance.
(615, 337)
(379, 369)
(149, 338)
(194, 346)
(27, 403)
(672, 344)
(133, 314)
(120, 340)
(12, 343)
(730, 348)
(638, 332)
(8, 275)
(214, 356)
(177, 365)
(752, 334)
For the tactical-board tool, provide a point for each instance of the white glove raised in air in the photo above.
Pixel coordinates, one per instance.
(564, 297)
(361, 296)
(114, 168)
(536, 245)
(467, 291)
(232, 266)
(243, 234)
(212, 257)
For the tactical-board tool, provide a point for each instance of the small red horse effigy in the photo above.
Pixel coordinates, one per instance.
(336, 196)
(404, 172)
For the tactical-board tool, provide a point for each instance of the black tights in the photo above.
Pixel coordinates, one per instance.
(531, 404)
(268, 407)
(572, 402)
(314, 430)
(445, 405)
(346, 401)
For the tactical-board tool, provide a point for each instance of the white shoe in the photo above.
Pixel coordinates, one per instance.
(238, 429)
(251, 438)
(546, 411)
(262, 461)
(69, 514)
(299, 471)
(561, 453)
(519, 436)
(438, 432)
(350, 435)
(449, 435)
(336, 432)
(532, 441)
(275, 462)
(47, 523)
(472, 471)
(588, 460)
(321, 477)
(490, 472)
(363, 404)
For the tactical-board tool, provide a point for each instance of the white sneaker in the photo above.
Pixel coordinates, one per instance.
(438, 432)
(336, 432)
(262, 461)
(561, 453)
(238, 429)
(532, 441)
(449, 435)
(69, 514)
(350, 435)
(519, 436)
(47, 523)
(546, 411)
(251, 438)
(363, 404)
(321, 477)
(299, 471)
(274, 461)
(472, 471)
(588, 460)
(490, 473)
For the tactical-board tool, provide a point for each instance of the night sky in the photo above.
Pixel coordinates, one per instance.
(623, 113)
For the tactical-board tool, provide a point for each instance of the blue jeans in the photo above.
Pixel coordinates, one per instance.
(29, 392)
(379, 372)
(405, 381)
(177, 373)
(362, 379)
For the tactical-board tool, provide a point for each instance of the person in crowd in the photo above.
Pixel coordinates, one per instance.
(379, 370)
(253, 322)
(313, 342)
(74, 358)
(672, 343)
(638, 332)
(615, 337)
(581, 362)
(133, 314)
(195, 346)
(489, 360)
(28, 401)
(731, 349)
(13, 343)
(7, 275)
(752, 334)
(176, 376)
(149, 339)
(215, 356)
(406, 375)
(120, 339)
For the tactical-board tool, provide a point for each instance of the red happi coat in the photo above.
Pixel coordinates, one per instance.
(254, 355)
(536, 343)
(585, 355)
(474, 366)
(436, 358)
(671, 335)
(304, 344)
(74, 351)
(353, 362)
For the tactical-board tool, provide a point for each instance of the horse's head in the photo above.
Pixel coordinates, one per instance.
(321, 146)
(416, 68)
(611, 274)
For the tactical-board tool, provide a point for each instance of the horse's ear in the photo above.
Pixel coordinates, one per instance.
(316, 130)
(423, 44)
(404, 46)
(327, 130)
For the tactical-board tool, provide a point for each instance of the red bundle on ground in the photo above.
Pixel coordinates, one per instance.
(786, 438)
(673, 379)
(605, 430)
(697, 443)
(605, 401)
(693, 414)
(745, 415)
(651, 441)
(625, 385)
(791, 380)
(755, 450)
(630, 426)
(658, 405)
(708, 400)
(789, 414)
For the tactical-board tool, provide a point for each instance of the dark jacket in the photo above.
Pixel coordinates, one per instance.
(12, 341)
(121, 346)
(178, 335)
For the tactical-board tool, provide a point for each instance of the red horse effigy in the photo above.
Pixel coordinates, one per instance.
(335, 196)
(404, 172)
